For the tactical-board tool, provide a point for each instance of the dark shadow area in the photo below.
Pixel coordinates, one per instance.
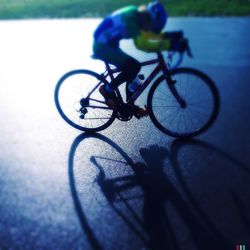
(242, 211)
(155, 221)
(176, 146)
(154, 228)
(158, 189)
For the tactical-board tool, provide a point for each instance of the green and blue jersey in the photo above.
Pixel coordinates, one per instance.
(124, 24)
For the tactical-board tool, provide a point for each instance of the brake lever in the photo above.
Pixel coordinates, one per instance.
(188, 50)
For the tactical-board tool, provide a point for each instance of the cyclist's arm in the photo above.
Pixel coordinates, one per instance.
(151, 42)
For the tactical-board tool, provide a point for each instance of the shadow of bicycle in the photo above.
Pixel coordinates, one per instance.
(125, 203)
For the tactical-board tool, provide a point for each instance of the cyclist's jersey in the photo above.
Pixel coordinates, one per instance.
(121, 24)
(124, 24)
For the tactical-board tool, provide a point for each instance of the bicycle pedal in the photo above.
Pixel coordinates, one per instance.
(139, 116)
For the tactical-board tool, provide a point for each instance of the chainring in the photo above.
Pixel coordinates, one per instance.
(124, 113)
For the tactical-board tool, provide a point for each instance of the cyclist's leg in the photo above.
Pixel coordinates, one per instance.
(112, 54)
(129, 67)
(130, 70)
(108, 53)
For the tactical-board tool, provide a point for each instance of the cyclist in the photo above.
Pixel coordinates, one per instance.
(144, 25)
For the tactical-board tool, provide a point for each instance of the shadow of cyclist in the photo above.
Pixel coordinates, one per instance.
(106, 186)
(151, 178)
(154, 222)
(157, 191)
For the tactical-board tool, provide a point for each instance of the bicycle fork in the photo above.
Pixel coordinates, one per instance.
(175, 93)
(171, 84)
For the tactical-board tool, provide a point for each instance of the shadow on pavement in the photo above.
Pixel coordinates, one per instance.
(153, 228)
(238, 166)
(242, 211)
(94, 242)
(78, 207)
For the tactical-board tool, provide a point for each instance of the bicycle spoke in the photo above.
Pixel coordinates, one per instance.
(192, 92)
(198, 112)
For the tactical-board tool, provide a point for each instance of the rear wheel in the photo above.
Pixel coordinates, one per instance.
(79, 102)
(197, 109)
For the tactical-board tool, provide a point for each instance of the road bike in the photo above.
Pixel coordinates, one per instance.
(181, 102)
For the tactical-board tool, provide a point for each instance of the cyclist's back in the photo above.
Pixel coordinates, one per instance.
(121, 24)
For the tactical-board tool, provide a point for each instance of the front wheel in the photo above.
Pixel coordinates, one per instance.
(194, 112)
(79, 102)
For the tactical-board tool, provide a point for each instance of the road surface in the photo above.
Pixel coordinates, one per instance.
(129, 187)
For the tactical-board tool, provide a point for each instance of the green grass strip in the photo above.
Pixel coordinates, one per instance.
(21, 9)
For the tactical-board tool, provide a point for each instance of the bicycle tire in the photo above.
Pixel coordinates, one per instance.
(210, 88)
(107, 121)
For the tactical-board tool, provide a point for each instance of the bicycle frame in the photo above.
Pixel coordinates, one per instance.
(160, 67)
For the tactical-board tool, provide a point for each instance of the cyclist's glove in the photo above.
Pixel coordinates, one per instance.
(180, 46)
(173, 35)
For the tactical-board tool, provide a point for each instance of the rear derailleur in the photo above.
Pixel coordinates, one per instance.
(83, 110)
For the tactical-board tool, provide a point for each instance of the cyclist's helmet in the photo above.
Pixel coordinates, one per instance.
(158, 16)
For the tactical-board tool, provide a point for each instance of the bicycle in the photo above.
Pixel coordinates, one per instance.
(173, 108)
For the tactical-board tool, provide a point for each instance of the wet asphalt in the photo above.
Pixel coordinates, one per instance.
(130, 186)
